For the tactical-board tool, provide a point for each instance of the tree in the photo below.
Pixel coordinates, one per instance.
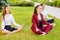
(2, 2)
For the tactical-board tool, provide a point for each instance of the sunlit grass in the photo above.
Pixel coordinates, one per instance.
(23, 15)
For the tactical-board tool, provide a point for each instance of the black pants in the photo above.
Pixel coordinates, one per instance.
(50, 21)
(9, 28)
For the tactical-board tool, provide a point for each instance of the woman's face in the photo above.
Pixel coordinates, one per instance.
(39, 9)
(43, 6)
(7, 9)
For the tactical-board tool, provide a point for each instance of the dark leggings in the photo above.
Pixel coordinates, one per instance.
(50, 21)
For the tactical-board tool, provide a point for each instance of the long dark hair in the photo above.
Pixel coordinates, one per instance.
(35, 11)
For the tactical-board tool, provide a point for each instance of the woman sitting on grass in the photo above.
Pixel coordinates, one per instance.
(44, 11)
(39, 25)
(7, 20)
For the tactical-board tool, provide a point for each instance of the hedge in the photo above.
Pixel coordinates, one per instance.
(20, 3)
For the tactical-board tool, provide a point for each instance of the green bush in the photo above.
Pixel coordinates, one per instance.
(55, 3)
(15, 2)
(24, 3)
(58, 4)
(2, 3)
(21, 3)
(50, 3)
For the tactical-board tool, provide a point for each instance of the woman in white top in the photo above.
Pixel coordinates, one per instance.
(50, 20)
(7, 20)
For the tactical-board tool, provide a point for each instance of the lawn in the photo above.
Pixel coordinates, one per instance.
(23, 15)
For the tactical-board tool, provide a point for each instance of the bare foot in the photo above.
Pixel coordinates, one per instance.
(44, 25)
(3, 31)
(37, 29)
(22, 25)
(43, 33)
(54, 24)
(18, 29)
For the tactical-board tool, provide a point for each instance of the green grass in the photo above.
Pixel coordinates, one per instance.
(23, 15)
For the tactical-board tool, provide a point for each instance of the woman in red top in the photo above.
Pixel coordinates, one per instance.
(39, 25)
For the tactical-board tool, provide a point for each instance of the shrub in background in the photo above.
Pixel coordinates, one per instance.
(58, 4)
(24, 3)
(50, 3)
(20, 3)
(55, 3)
